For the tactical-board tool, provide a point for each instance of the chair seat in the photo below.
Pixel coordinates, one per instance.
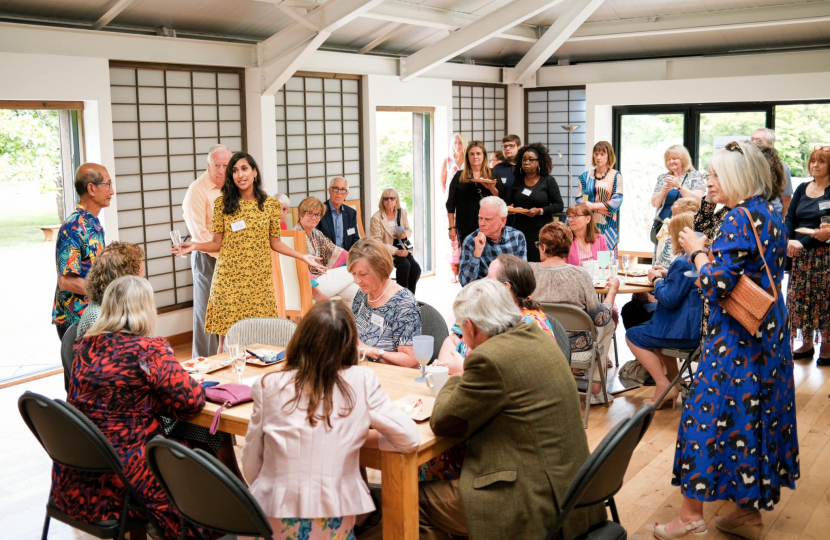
(607, 530)
(678, 353)
(582, 359)
(99, 529)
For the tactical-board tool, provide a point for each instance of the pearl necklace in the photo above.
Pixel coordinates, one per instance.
(381, 294)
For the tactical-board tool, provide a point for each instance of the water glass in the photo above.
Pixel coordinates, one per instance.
(176, 237)
(825, 220)
(603, 261)
(423, 347)
(626, 262)
(238, 361)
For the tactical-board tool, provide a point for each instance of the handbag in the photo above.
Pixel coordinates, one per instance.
(402, 243)
(228, 394)
(748, 303)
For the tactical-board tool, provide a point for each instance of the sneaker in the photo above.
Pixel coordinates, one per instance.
(596, 399)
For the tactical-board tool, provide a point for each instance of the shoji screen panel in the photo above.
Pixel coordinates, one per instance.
(479, 112)
(547, 110)
(318, 135)
(165, 118)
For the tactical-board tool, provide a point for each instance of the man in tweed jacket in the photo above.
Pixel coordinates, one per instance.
(517, 406)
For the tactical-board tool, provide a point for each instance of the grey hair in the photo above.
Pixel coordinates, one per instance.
(492, 200)
(488, 305)
(86, 174)
(215, 149)
(283, 199)
(331, 182)
(743, 174)
(769, 135)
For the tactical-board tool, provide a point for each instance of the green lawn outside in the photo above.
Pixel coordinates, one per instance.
(22, 210)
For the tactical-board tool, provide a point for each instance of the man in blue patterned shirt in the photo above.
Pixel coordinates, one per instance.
(491, 239)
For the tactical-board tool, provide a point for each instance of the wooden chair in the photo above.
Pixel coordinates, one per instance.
(292, 286)
(356, 205)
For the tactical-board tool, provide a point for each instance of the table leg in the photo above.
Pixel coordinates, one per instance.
(400, 495)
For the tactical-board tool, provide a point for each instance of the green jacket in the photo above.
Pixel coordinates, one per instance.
(518, 407)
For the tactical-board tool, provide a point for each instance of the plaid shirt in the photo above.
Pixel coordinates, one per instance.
(472, 268)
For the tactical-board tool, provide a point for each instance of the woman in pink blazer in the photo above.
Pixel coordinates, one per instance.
(301, 453)
(587, 238)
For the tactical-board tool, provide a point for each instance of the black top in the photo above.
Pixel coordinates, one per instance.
(504, 170)
(463, 201)
(544, 194)
(806, 212)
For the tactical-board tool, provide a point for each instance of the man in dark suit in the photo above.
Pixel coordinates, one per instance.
(339, 223)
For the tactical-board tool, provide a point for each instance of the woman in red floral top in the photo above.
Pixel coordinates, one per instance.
(123, 380)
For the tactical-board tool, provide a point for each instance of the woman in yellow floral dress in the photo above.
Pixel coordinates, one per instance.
(246, 227)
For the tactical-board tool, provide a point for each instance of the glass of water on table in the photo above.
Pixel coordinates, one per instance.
(237, 354)
(626, 262)
(423, 347)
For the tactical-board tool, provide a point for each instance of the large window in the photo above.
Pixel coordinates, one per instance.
(165, 118)
(318, 135)
(549, 110)
(479, 112)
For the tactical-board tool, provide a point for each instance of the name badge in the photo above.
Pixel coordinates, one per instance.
(238, 226)
(526, 192)
(824, 205)
(504, 180)
(377, 320)
(350, 231)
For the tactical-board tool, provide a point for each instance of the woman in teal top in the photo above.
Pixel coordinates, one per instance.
(602, 191)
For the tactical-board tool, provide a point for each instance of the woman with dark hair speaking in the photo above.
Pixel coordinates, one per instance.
(537, 192)
(246, 227)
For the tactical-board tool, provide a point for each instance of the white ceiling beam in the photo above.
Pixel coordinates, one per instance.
(553, 38)
(391, 30)
(294, 14)
(402, 12)
(114, 11)
(285, 52)
(472, 35)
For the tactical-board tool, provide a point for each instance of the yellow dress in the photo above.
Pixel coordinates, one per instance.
(242, 286)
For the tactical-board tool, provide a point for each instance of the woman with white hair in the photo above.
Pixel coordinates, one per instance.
(285, 209)
(737, 439)
(390, 226)
(681, 180)
(123, 380)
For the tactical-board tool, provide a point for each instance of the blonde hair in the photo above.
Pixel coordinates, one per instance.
(386, 193)
(743, 174)
(311, 204)
(677, 224)
(464, 143)
(467, 175)
(685, 204)
(679, 151)
(128, 307)
(375, 254)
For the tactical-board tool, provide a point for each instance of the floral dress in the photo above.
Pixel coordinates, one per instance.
(708, 220)
(243, 286)
(341, 528)
(609, 193)
(737, 439)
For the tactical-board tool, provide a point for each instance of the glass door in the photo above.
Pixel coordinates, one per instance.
(717, 129)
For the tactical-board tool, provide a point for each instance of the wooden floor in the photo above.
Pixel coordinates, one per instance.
(646, 497)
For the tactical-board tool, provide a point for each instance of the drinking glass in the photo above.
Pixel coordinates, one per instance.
(238, 361)
(694, 273)
(603, 261)
(176, 237)
(825, 220)
(423, 346)
(626, 261)
(615, 266)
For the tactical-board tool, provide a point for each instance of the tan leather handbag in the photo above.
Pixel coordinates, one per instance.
(748, 303)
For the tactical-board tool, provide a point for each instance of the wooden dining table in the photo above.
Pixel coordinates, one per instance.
(628, 284)
(399, 472)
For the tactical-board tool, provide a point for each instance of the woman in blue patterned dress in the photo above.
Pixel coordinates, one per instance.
(602, 191)
(737, 439)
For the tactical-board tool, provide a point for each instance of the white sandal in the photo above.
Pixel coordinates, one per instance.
(697, 528)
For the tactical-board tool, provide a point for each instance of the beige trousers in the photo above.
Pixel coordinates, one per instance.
(441, 511)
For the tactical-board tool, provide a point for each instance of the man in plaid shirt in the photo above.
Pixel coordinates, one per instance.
(491, 239)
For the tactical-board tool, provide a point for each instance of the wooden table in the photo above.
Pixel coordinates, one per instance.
(399, 471)
(628, 288)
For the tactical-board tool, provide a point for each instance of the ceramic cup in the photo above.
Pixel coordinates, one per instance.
(589, 266)
(436, 378)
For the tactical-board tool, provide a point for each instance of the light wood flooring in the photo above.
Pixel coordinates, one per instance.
(646, 497)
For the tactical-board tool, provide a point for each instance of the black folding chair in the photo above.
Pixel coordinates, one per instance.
(601, 477)
(73, 441)
(205, 492)
(433, 324)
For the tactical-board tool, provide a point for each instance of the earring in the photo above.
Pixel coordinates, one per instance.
(538, 170)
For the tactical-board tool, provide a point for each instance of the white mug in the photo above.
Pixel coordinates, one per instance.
(589, 267)
(436, 378)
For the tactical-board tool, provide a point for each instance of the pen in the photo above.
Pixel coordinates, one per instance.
(185, 238)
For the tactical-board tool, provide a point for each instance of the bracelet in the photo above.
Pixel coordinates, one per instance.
(451, 228)
(695, 254)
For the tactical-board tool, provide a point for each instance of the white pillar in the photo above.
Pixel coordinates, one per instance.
(516, 111)
(260, 117)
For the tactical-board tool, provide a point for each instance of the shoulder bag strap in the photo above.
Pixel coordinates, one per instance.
(761, 249)
(399, 217)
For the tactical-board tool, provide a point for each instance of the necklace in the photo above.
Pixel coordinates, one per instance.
(381, 294)
(598, 178)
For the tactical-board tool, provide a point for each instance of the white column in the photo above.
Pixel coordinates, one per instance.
(260, 116)
(516, 111)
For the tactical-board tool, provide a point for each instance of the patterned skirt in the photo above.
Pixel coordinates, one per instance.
(341, 528)
(807, 300)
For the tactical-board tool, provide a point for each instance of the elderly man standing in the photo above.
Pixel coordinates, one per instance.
(767, 138)
(522, 423)
(491, 239)
(339, 223)
(80, 240)
(198, 214)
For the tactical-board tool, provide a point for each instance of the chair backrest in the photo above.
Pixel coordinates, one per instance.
(266, 331)
(637, 257)
(67, 355)
(602, 474)
(356, 205)
(291, 218)
(433, 324)
(204, 491)
(562, 338)
(571, 318)
(292, 285)
(69, 437)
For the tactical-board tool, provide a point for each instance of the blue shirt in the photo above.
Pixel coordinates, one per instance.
(472, 268)
(788, 190)
(337, 218)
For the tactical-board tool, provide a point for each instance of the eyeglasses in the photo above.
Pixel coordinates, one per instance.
(509, 145)
(387, 199)
(529, 160)
(734, 147)
(537, 244)
(313, 215)
(108, 184)
(339, 190)
(571, 216)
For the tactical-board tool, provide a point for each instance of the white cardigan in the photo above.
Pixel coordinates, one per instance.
(299, 471)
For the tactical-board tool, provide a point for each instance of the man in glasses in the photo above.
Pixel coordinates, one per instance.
(767, 138)
(510, 145)
(339, 223)
(197, 208)
(80, 240)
